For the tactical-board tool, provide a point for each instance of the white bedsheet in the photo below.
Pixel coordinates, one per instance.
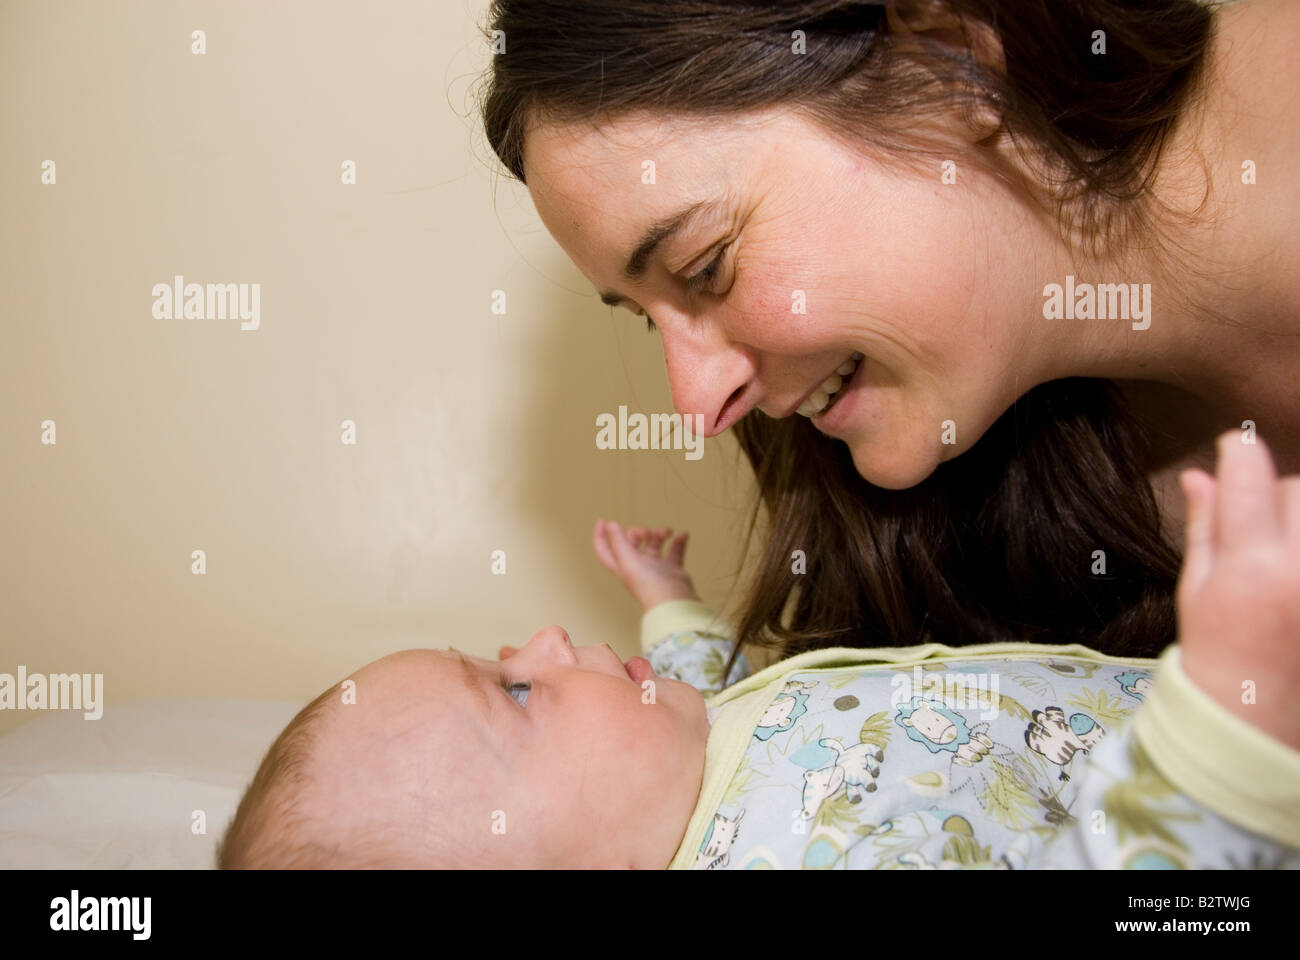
(121, 791)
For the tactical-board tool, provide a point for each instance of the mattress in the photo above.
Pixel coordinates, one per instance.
(149, 785)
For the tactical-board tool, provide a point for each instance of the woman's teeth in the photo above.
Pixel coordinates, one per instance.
(826, 394)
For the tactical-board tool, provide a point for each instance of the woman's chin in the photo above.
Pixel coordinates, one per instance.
(891, 465)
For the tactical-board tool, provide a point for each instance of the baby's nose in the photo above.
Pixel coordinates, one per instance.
(553, 637)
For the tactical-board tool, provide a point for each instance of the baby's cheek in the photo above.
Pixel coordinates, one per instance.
(678, 732)
(641, 736)
(639, 726)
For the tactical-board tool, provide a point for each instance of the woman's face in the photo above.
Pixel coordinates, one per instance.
(825, 254)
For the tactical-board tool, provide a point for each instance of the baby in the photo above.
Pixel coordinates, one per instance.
(998, 755)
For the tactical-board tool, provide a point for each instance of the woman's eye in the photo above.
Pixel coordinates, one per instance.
(705, 277)
(517, 690)
(701, 281)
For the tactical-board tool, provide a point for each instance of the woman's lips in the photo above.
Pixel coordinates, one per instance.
(841, 410)
(639, 669)
(828, 392)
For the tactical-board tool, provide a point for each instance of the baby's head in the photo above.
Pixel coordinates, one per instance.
(556, 757)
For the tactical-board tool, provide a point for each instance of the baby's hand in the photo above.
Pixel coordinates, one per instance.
(1239, 593)
(636, 556)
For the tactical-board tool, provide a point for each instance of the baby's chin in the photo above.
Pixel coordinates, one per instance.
(688, 701)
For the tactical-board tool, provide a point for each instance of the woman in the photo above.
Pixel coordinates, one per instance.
(974, 280)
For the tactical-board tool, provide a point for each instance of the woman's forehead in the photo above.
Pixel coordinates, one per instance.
(573, 151)
(603, 194)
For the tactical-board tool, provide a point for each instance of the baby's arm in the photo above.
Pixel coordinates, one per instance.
(637, 557)
(1208, 772)
(1239, 594)
(681, 636)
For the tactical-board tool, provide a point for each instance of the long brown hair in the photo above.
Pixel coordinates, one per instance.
(1047, 529)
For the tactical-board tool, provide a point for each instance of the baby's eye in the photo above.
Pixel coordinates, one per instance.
(515, 689)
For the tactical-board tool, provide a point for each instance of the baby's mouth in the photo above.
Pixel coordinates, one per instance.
(639, 669)
(831, 389)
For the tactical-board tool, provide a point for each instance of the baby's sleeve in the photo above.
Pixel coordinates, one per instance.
(1185, 784)
(687, 640)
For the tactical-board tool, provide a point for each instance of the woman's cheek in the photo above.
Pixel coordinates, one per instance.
(752, 308)
(768, 271)
(781, 312)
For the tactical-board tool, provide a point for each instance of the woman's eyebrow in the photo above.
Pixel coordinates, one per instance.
(655, 235)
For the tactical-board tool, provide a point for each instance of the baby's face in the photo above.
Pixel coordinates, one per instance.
(577, 765)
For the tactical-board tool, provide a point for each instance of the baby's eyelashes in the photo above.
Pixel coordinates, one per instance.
(517, 689)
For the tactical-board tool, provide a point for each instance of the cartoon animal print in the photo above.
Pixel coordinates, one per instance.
(915, 860)
(1050, 736)
(715, 851)
(1072, 668)
(1136, 683)
(939, 729)
(933, 839)
(818, 787)
(790, 704)
(854, 768)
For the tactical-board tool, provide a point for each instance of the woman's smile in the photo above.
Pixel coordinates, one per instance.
(832, 419)
(828, 391)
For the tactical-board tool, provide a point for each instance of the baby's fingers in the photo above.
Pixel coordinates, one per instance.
(657, 538)
(677, 549)
(1247, 502)
(1198, 552)
(600, 543)
(1291, 512)
(621, 545)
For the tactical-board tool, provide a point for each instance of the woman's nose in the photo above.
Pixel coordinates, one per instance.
(708, 376)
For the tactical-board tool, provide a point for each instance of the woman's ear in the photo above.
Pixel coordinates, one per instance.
(937, 21)
(918, 16)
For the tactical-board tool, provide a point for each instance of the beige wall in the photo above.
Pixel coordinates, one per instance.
(475, 432)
